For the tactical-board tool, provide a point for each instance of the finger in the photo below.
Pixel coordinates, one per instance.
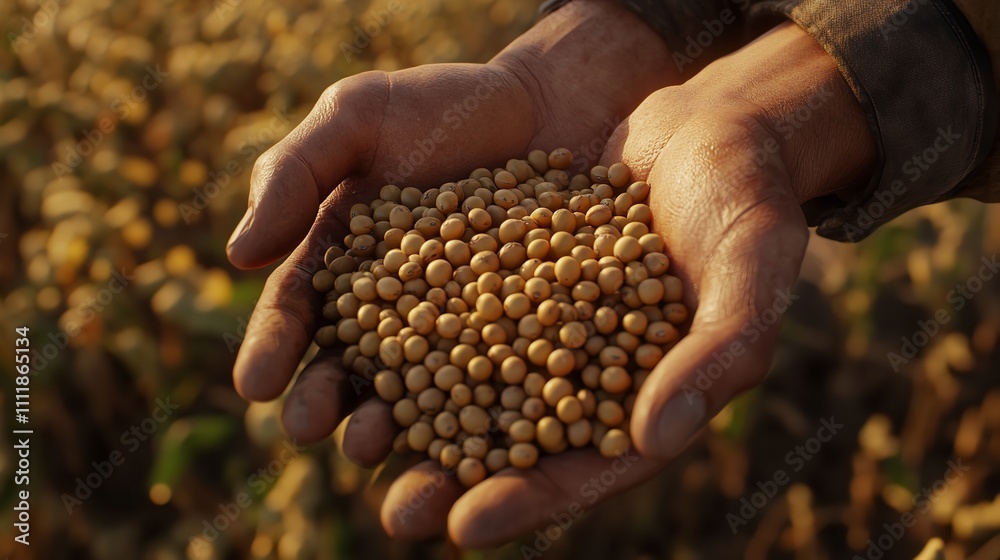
(745, 288)
(557, 490)
(369, 434)
(416, 506)
(284, 320)
(291, 179)
(320, 399)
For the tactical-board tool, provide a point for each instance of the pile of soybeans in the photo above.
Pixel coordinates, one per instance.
(507, 315)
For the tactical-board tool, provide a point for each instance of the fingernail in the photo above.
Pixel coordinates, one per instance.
(679, 419)
(241, 228)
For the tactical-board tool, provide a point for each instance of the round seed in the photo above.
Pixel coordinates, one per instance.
(389, 288)
(471, 472)
(420, 436)
(560, 362)
(473, 418)
(405, 412)
(618, 175)
(450, 456)
(555, 389)
(610, 413)
(569, 409)
(567, 271)
(579, 433)
(523, 455)
(550, 434)
(615, 379)
(446, 425)
(627, 249)
(496, 460)
(614, 443)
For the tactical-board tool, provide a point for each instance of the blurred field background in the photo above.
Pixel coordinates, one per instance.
(114, 119)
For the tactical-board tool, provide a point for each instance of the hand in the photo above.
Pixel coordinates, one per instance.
(730, 157)
(567, 82)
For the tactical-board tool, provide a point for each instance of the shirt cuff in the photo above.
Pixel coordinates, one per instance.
(926, 85)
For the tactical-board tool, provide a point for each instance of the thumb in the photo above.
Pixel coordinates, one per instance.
(745, 289)
(291, 179)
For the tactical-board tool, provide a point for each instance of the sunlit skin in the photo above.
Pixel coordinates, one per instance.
(733, 229)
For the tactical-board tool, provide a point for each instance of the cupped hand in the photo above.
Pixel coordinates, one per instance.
(730, 156)
(567, 82)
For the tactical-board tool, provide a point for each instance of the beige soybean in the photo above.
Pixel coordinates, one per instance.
(523, 455)
(471, 472)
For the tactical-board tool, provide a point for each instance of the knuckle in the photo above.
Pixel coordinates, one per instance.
(358, 94)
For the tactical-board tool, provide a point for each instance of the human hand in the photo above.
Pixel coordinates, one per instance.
(730, 156)
(567, 81)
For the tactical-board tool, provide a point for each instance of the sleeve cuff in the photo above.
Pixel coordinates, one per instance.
(926, 85)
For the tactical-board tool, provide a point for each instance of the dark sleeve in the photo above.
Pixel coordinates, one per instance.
(697, 31)
(922, 76)
(926, 85)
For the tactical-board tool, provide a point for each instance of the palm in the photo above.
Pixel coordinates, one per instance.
(736, 238)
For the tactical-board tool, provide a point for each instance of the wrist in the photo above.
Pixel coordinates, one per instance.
(803, 102)
(595, 49)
